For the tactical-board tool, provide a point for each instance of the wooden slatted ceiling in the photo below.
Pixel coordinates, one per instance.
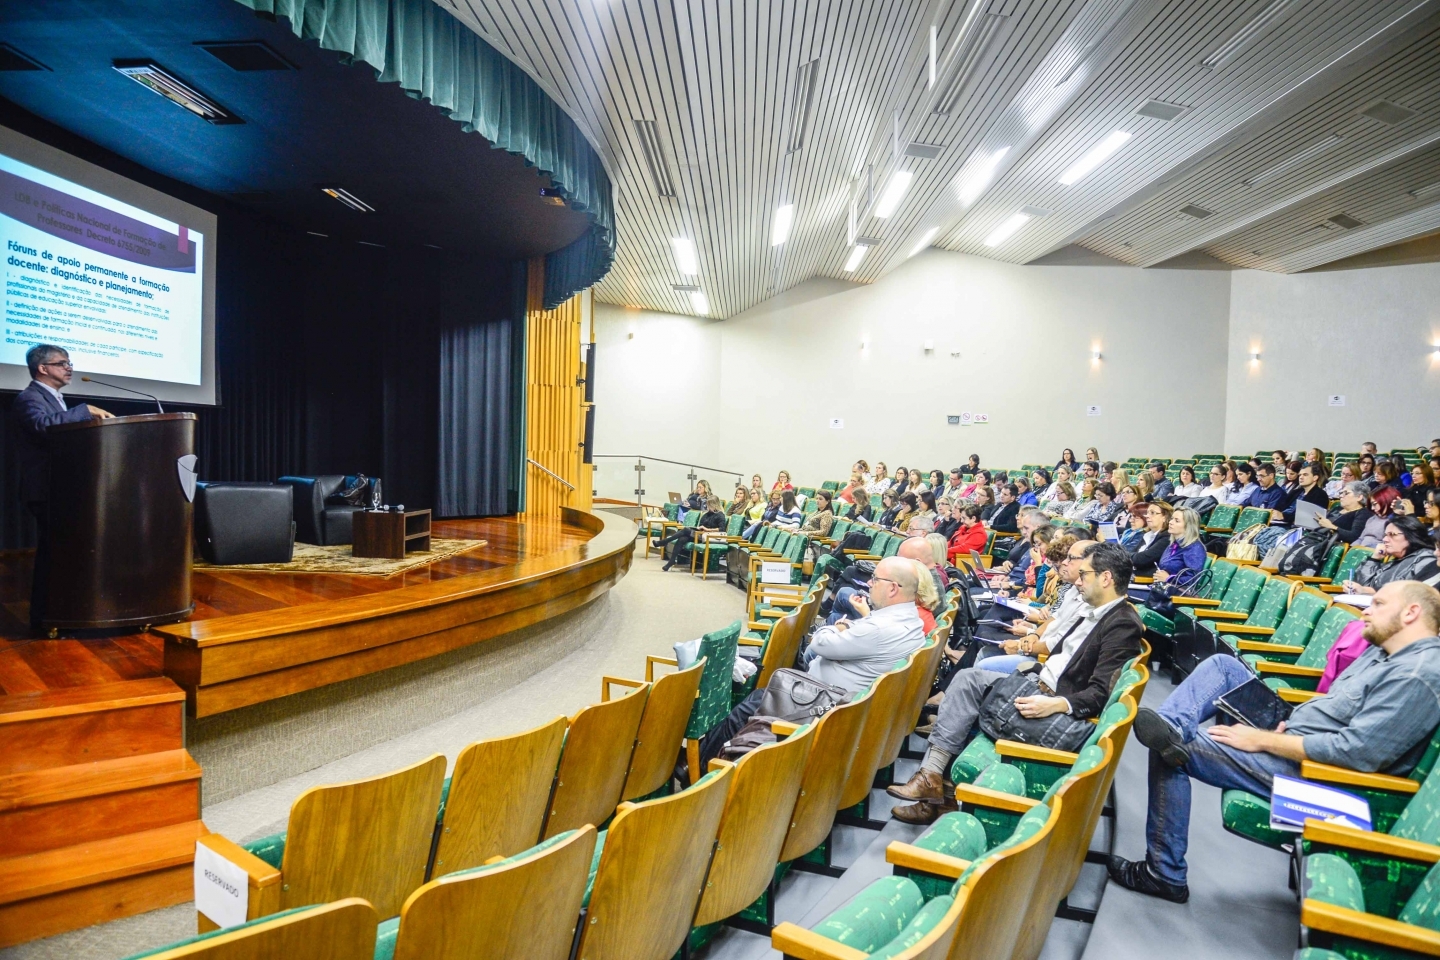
(718, 80)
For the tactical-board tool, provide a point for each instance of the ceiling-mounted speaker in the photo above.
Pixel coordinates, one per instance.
(655, 158)
(1388, 113)
(1199, 213)
(1343, 221)
(1160, 110)
(802, 104)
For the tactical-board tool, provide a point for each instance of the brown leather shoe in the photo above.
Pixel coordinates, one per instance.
(919, 814)
(925, 785)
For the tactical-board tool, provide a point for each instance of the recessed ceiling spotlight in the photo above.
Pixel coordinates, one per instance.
(893, 193)
(157, 79)
(687, 262)
(784, 220)
(924, 241)
(348, 198)
(1095, 156)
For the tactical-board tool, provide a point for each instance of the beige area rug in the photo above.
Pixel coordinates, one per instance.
(309, 558)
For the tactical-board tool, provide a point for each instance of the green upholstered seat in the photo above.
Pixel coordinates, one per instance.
(1251, 517)
(969, 763)
(712, 701)
(1294, 629)
(1351, 561)
(921, 924)
(1221, 573)
(1332, 561)
(957, 835)
(1222, 518)
(1123, 685)
(1322, 638)
(1332, 880)
(875, 916)
(1247, 815)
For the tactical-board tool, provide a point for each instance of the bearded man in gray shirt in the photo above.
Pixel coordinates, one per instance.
(1378, 716)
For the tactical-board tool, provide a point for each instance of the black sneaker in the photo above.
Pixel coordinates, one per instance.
(1155, 732)
(1135, 875)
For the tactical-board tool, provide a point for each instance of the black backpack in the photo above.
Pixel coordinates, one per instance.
(1308, 555)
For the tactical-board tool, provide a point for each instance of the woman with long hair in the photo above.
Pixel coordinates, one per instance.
(1406, 552)
(782, 481)
(1146, 549)
(1184, 558)
(676, 542)
(862, 510)
(880, 481)
(818, 524)
(1188, 486)
(741, 503)
(1068, 461)
(1218, 488)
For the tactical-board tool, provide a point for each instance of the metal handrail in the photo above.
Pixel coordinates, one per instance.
(678, 463)
(541, 466)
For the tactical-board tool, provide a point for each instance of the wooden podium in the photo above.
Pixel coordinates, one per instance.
(120, 521)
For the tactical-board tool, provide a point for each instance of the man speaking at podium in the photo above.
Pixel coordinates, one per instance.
(36, 408)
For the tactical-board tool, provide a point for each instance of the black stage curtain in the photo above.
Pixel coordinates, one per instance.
(335, 357)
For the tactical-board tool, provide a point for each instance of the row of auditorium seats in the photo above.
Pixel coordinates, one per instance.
(507, 849)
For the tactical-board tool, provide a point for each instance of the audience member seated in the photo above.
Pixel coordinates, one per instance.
(1062, 475)
(1367, 470)
(972, 465)
(850, 654)
(1131, 515)
(947, 518)
(818, 524)
(926, 506)
(880, 482)
(1347, 474)
(1063, 499)
(936, 480)
(1348, 519)
(909, 506)
(862, 509)
(789, 516)
(1164, 487)
(1382, 508)
(970, 535)
(768, 515)
(1050, 706)
(1404, 553)
(1267, 494)
(1422, 481)
(1153, 540)
(1068, 461)
(1025, 639)
(889, 510)
(679, 539)
(1217, 488)
(740, 506)
(1027, 496)
(1040, 483)
(847, 492)
(1310, 487)
(1243, 486)
(1084, 500)
(782, 482)
(698, 498)
(955, 484)
(1031, 519)
(1106, 507)
(1184, 558)
(1006, 517)
(1378, 716)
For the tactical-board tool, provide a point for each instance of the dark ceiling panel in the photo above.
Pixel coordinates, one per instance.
(320, 123)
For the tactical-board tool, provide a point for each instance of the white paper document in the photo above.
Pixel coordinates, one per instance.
(222, 888)
(1306, 514)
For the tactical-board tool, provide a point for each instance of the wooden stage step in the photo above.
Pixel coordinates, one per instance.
(72, 725)
(43, 894)
(99, 806)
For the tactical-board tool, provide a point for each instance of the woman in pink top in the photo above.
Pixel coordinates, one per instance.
(1346, 650)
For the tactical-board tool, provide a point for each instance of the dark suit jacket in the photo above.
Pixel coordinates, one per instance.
(1091, 673)
(33, 411)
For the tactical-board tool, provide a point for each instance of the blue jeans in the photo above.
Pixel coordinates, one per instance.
(842, 609)
(1167, 825)
(1004, 662)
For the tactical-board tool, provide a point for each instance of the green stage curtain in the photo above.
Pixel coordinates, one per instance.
(435, 57)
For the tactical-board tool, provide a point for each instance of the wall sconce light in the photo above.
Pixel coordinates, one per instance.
(1254, 356)
(1435, 354)
(1095, 356)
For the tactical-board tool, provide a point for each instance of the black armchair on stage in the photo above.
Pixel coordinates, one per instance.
(244, 522)
(319, 518)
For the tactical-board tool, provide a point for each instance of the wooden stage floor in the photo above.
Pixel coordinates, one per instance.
(38, 665)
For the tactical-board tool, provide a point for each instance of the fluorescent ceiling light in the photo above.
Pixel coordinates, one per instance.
(857, 253)
(1007, 229)
(784, 220)
(1097, 155)
(979, 178)
(348, 198)
(698, 303)
(1294, 160)
(925, 240)
(1231, 48)
(894, 192)
(685, 259)
(157, 79)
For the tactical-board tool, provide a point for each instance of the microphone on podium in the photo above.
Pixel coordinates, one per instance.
(116, 386)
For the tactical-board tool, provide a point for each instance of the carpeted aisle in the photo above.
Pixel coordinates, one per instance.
(646, 613)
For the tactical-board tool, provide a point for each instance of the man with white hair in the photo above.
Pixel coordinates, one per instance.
(852, 653)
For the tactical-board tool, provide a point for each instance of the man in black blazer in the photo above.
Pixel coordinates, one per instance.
(36, 408)
(1049, 705)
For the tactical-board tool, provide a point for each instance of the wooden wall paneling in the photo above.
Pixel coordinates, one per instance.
(554, 408)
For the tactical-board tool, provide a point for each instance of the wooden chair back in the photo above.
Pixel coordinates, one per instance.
(368, 838)
(498, 796)
(343, 930)
(595, 762)
(994, 901)
(763, 791)
(917, 691)
(524, 908)
(1080, 798)
(837, 734)
(651, 873)
(780, 647)
(885, 696)
(1117, 739)
(662, 729)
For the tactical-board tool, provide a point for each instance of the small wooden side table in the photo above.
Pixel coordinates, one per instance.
(390, 536)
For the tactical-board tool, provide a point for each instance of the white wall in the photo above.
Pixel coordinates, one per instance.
(756, 392)
(1365, 334)
(657, 393)
(1024, 335)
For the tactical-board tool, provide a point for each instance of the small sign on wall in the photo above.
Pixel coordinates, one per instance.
(1093, 410)
(982, 418)
(837, 424)
(1337, 399)
(953, 419)
(967, 418)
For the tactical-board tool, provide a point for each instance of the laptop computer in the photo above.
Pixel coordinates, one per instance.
(1254, 704)
(675, 497)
